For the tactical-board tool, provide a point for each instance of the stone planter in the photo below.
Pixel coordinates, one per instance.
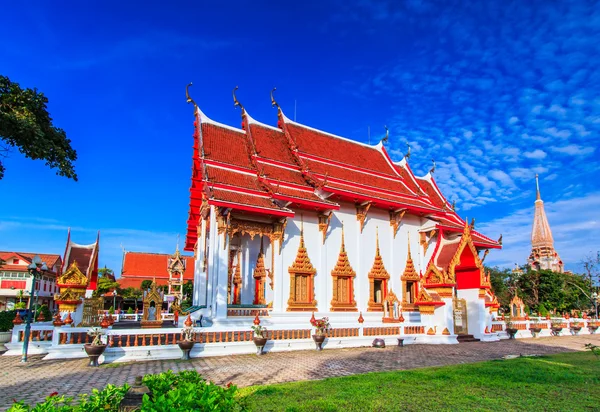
(511, 332)
(535, 331)
(186, 346)
(575, 330)
(319, 339)
(94, 352)
(593, 329)
(260, 344)
(556, 331)
(5, 337)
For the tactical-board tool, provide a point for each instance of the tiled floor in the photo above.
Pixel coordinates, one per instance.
(36, 379)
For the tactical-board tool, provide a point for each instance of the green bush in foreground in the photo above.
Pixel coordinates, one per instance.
(183, 391)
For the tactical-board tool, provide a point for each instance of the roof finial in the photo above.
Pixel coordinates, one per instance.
(387, 135)
(537, 186)
(407, 155)
(343, 243)
(177, 247)
(432, 170)
(236, 101)
(273, 102)
(454, 204)
(187, 95)
(377, 240)
(408, 234)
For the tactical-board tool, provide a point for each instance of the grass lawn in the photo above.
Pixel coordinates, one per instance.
(563, 382)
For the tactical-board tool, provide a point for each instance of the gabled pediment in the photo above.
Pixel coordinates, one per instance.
(73, 276)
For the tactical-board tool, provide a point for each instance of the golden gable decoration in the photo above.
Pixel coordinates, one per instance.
(343, 282)
(302, 272)
(378, 281)
(396, 219)
(73, 277)
(72, 285)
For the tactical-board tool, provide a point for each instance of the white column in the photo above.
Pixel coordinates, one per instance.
(213, 246)
(220, 290)
(200, 271)
(269, 258)
(281, 287)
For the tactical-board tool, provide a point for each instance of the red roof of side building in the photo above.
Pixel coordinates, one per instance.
(50, 259)
(140, 266)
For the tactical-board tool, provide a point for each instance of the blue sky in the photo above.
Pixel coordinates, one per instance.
(494, 91)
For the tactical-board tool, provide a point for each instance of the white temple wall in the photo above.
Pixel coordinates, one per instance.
(476, 312)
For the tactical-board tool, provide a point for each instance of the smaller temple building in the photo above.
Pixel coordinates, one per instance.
(141, 266)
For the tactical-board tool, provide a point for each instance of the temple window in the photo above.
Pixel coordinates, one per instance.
(302, 272)
(378, 281)
(343, 282)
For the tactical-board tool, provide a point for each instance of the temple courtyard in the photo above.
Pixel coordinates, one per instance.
(37, 379)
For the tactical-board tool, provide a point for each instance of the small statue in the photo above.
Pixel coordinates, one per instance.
(152, 311)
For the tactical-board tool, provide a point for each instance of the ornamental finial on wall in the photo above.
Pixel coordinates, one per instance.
(387, 135)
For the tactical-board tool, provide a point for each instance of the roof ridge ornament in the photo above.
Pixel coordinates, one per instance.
(432, 170)
(273, 102)
(187, 95)
(236, 102)
(387, 135)
(407, 155)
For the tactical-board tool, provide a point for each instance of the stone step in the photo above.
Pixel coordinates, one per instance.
(467, 338)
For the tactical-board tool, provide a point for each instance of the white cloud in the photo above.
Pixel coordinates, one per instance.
(574, 150)
(536, 154)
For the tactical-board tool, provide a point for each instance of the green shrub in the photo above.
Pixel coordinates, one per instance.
(107, 400)
(542, 310)
(183, 391)
(130, 311)
(6, 320)
(186, 391)
(44, 309)
(20, 305)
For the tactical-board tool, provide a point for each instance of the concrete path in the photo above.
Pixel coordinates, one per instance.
(37, 379)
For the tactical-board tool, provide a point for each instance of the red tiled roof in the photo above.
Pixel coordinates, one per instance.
(82, 256)
(50, 259)
(271, 144)
(150, 265)
(136, 282)
(225, 145)
(283, 174)
(243, 199)
(319, 143)
(352, 176)
(233, 178)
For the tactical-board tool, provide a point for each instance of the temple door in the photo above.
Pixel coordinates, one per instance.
(460, 316)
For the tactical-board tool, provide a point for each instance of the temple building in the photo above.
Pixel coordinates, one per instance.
(140, 266)
(288, 221)
(543, 255)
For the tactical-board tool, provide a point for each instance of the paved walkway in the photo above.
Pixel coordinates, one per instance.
(37, 379)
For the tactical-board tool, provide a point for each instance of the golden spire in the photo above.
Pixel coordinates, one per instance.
(259, 270)
(237, 277)
(378, 269)
(302, 262)
(342, 267)
(537, 186)
(409, 270)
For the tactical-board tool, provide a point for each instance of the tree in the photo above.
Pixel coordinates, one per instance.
(26, 124)
(104, 285)
(106, 272)
(188, 291)
(146, 284)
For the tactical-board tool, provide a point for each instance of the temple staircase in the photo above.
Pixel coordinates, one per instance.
(466, 338)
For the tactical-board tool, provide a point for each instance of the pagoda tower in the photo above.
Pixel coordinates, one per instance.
(543, 256)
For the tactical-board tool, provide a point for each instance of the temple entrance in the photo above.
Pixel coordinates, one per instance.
(459, 307)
